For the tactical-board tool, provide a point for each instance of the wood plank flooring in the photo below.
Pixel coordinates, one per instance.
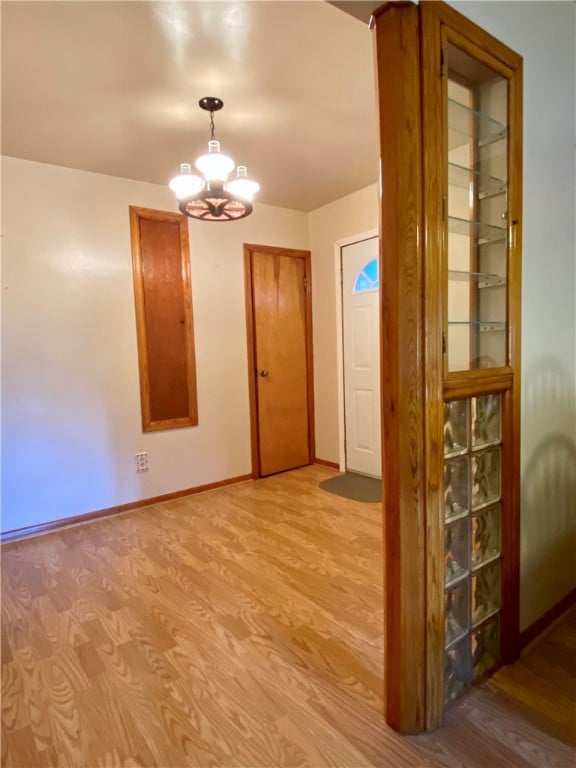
(524, 715)
(240, 627)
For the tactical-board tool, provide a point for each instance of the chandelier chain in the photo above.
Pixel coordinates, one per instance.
(211, 125)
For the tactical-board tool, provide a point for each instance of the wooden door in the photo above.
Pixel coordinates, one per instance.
(361, 354)
(279, 321)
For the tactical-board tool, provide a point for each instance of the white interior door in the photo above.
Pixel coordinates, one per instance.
(361, 356)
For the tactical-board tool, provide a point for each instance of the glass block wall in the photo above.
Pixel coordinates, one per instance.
(472, 513)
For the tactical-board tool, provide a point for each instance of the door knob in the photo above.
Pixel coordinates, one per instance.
(263, 373)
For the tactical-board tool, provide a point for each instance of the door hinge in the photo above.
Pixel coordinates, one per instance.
(443, 207)
(443, 343)
(441, 62)
(306, 282)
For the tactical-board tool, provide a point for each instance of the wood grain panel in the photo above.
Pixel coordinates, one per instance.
(404, 493)
(435, 181)
(489, 47)
(279, 328)
(487, 380)
(164, 318)
(511, 531)
(163, 298)
(251, 350)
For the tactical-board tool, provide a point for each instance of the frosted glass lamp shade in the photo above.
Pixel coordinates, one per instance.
(209, 196)
(215, 166)
(242, 186)
(187, 183)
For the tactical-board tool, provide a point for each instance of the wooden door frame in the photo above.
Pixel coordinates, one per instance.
(338, 246)
(250, 248)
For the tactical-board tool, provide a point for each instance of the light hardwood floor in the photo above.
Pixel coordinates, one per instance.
(240, 627)
(523, 716)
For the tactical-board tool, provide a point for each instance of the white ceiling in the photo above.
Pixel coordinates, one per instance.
(113, 87)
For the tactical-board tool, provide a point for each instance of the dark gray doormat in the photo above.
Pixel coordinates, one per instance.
(353, 486)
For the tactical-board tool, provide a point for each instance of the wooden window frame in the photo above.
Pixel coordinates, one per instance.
(191, 418)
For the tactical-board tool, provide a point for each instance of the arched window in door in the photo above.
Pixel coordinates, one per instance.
(368, 278)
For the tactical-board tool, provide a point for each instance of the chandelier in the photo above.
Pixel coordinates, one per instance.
(211, 197)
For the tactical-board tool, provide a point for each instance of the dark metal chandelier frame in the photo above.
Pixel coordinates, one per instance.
(214, 202)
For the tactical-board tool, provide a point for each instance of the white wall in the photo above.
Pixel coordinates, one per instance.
(351, 215)
(544, 34)
(71, 402)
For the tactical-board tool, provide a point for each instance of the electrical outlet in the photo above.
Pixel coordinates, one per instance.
(141, 460)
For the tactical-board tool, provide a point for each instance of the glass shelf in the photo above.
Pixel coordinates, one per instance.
(484, 326)
(466, 125)
(481, 232)
(487, 186)
(482, 279)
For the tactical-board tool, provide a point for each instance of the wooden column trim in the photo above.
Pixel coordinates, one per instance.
(434, 183)
(252, 394)
(402, 347)
(411, 98)
(510, 627)
(441, 24)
